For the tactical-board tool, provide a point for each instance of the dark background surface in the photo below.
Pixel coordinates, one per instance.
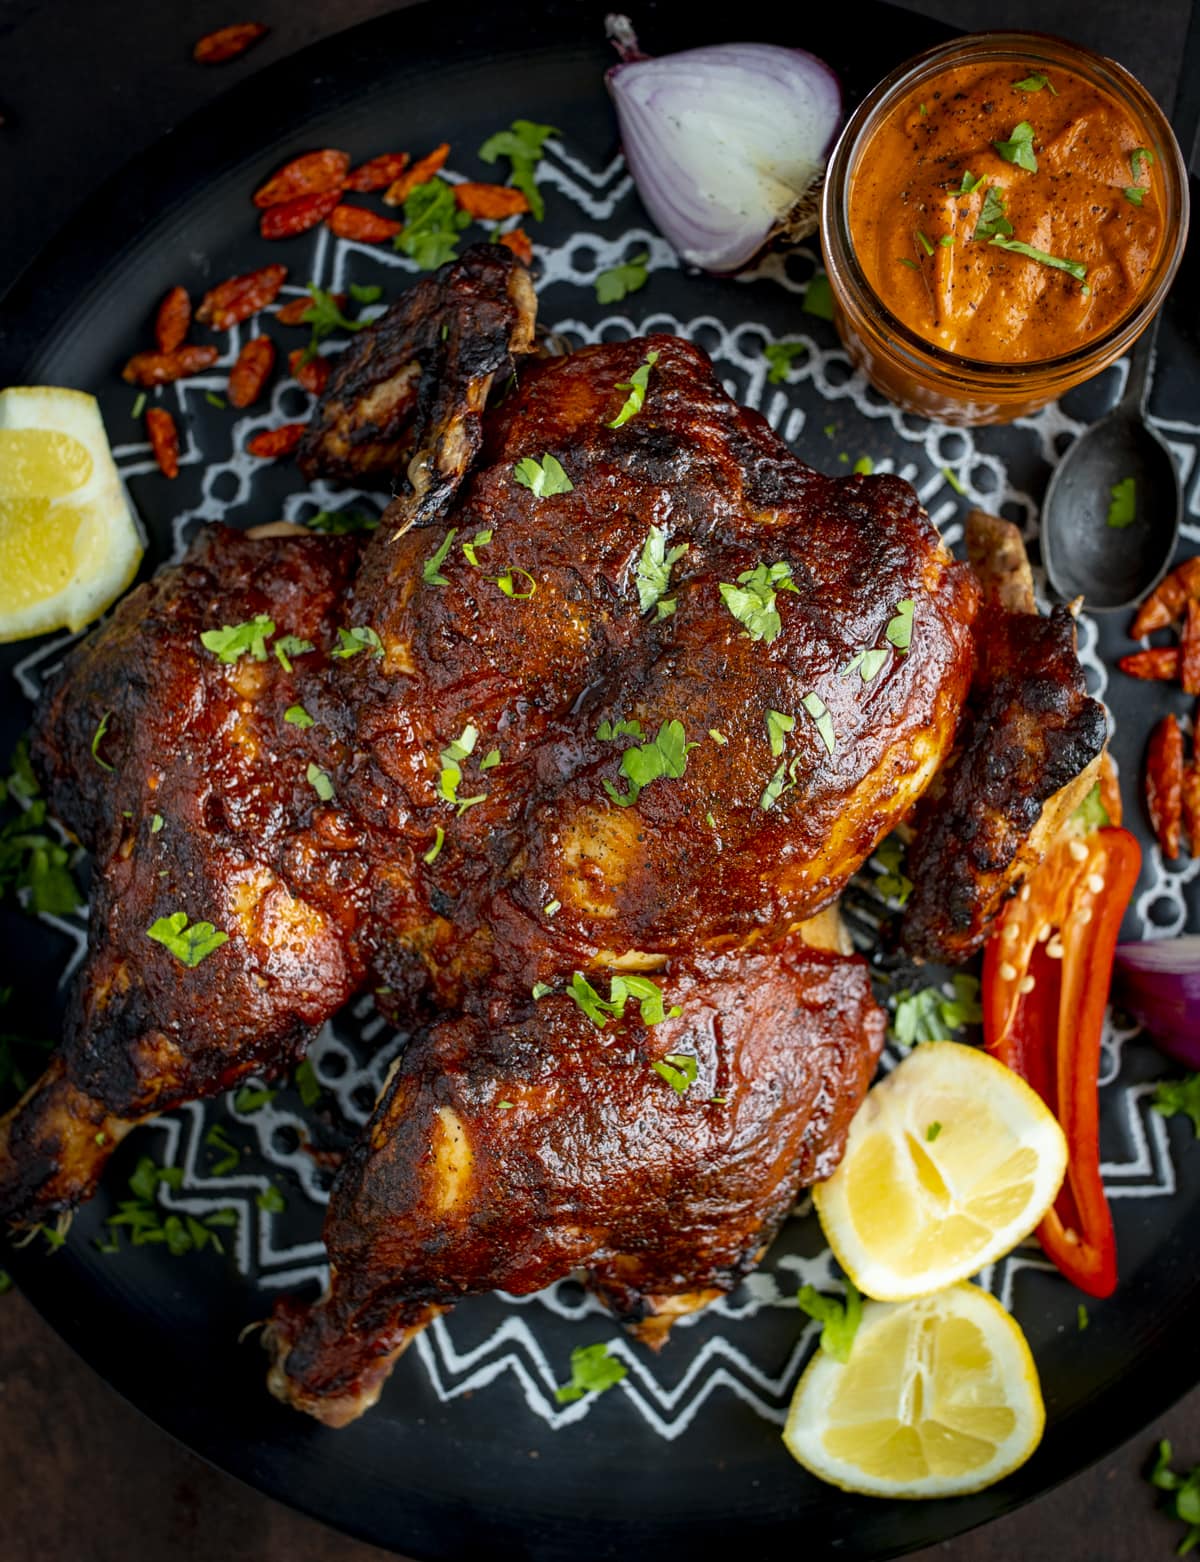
(84, 84)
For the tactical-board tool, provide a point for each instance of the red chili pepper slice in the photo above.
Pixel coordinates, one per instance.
(1046, 975)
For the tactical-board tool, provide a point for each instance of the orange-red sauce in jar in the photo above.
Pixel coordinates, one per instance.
(930, 179)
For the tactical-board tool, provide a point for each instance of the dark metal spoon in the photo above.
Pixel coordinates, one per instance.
(1114, 566)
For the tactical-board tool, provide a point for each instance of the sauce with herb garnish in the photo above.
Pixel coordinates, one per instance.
(1007, 215)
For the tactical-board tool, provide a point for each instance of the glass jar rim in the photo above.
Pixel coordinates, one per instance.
(1034, 48)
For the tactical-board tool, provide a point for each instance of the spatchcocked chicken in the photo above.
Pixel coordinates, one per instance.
(593, 731)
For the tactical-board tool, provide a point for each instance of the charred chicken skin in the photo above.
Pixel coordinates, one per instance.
(594, 702)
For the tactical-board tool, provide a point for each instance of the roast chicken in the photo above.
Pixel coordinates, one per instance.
(592, 733)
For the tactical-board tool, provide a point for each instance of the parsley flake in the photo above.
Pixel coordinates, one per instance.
(1139, 158)
(369, 294)
(818, 298)
(839, 1320)
(431, 856)
(98, 738)
(929, 1015)
(969, 184)
(252, 1098)
(679, 1069)
(189, 945)
(307, 1083)
(592, 1371)
(992, 218)
(1081, 1318)
(30, 860)
(1074, 268)
(156, 824)
(1034, 82)
(636, 386)
(479, 540)
(778, 726)
(863, 467)
(508, 585)
(232, 641)
(490, 759)
(552, 908)
(431, 569)
(217, 1139)
(1134, 194)
(651, 1004)
(653, 573)
(297, 716)
(932, 1132)
(1179, 1095)
(817, 709)
(319, 780)
(717, 737)
(664, 756)
(453, 758)
(288, 646)
(522, 144)
(608, 730)
(432, 225)
(784, 780)
(1018, 148)
(540, 989)
(752, 600)
(270, 1200)
(139, 405)
(899, 629)
(544, 480)
(1122, 504)
(779, 357)
(867, 663)
(216, 401)
(618, 281)
(361, 638)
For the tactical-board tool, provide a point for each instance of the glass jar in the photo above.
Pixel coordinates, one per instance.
(927, 379)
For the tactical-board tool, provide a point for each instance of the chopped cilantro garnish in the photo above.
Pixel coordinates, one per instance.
(1134, 194)
(29, 859)
(156, 823)
(928, 1015)
(1074, 268)
(491, 758)
(270, 1200)
(217, 1139)
(653, 574)
(431, 856)
(341, 523)
(1034, 82)
(319, 780)
(369, 294)
(752, 600)
(431, 569)
(1185, 1495)
(932, 1132)
(288, 646)
(450, 778)
(1081, 1318)
(614, 284)
(969, 185)
(252, 1098)
(297, 716)
(817, 709)
(665, 755)
(1139, 158)
(783, 780)
(839, 1320)
(608, 730)
(899, 629)
(234, 640)
(479, 540)
(1122, 504)
(678, 1069)
(592, 1371)
(864, 466)
(544, 479)
(953, 480)
(189, 945)
(778, 726)
(924, 241)
(522, 144)
(947, 241)
(139, 405)
(893, 881)
(818, 298)
(361, 638)
(324, 317)
(307, 1083)
(552, 908)
(1018, 148)
(992, 219)
(216, 401)
(98, 738)
(1179, 1095)
(143, 1220)
(717, 737)
(432, 225)
(540, 989)
(779, 357)
(867, 663)
(911, 264)
(651, 1004)
(508, 585)
(636, 386)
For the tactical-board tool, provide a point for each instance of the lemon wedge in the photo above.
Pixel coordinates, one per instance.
(939, 1397)
(950, 1162)
(69, 545)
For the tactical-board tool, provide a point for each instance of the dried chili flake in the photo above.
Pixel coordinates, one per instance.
(315, 173)
(420, 173)
(273, 443)
(164, 440)
(146, 369)
(378, 173)
(237, 299)
(249, 375)
(228, 42)
(172, 320)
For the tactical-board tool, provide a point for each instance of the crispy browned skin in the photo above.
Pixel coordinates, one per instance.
(428, 363)
(593, 1160)
(1030, 738)
(244, 843)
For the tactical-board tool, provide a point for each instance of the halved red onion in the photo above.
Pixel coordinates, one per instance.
(727, 145)
(1158, 982)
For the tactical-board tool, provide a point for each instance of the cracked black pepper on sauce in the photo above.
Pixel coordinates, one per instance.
(970, 296)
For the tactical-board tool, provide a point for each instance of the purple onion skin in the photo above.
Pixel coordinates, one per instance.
(1158, 983)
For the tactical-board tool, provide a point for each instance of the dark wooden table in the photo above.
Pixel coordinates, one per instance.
(83, 1477)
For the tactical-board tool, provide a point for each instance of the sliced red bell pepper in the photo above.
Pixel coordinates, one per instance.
(1046, 975)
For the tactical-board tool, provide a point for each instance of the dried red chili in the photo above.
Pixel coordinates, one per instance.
(228, 42)
(1191, 798)
(240, 297)
(146, 369)
(312, 373)
(164, 440)
(378, 173)
(172, 320)
(294, 311)
(490, 201)
(1168, 600)
(367, 227)
(289, 218)
(249, 375)
(1164, 784)
(313, 174)
(1159, 662)
(275, 442)
(420, 173)
(1189, 650)
(517, 240)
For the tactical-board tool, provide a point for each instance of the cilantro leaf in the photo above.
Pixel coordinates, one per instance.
(899, 629)
(252, 1098)
(928, 1015)
(480, 540)
(288, 646)
(98, 738)
(665, 755)
(432, 225)
(839, 1320)
(217, 1139)
(1134, 194)
(522, 144)
(753, 605)
(270, 1200)
(297, 716)
(1018, 148)
(1139, 158)
(1074, 268)
(232, 641)
(778, 725)
(817, 709)
(651, 1003)
(608, 730)
(189, 945)
(653, 573)
(319, 780)
(1122, 505)
(1034, 82)
(369, 294)
(307, 1083)
(360, 638)
(867, 663)
(783, 780)
(1184, 1503)
(992, 219)
(141, 1217)
(818, 298)
(453, 757)
(779, 357)
(592, 1371)
(431, 569)
(893, 882)
(679, 1069)
(508, 586)
(1179, 1095)
(340, 523)
(544, 480)
(636, 386)
(969, 184)
(618, 281)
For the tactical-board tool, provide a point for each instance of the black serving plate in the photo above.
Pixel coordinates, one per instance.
(468, 1451)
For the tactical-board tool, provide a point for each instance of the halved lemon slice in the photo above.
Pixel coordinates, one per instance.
(939, 1397)
(69, 544)
(950, 1162)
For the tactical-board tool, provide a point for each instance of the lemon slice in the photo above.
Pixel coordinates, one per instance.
(939, 1397)
(69, 544)
(950, 1162)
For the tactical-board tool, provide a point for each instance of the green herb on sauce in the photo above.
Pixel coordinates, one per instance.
(1034, 82)
(992, 220)
(431, 569)
(98, 738)
(1018, 148)
(189, 944)
(544, 479)
(636, 386)
(663, 757)
(679, 1069)
(1074, 268)
(232, 641)
(653, 573)
(752, 600)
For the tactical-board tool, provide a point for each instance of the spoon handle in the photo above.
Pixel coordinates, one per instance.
(1133, 399)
